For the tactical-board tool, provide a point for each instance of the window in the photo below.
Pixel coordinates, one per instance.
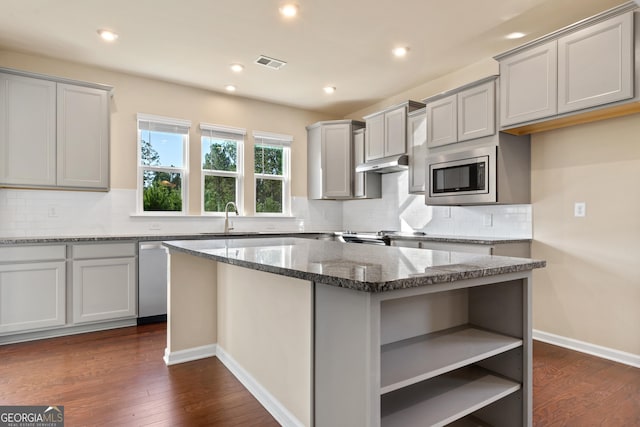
(162, 163)
(221, 160)
(271, 172)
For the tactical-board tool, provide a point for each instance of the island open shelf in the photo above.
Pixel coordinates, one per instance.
(444, 399)
(410, 361)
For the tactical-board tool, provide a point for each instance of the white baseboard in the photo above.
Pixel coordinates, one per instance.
(266, 399)
(585, 347)
(195, 353)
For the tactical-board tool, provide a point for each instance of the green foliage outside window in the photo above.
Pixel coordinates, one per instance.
(219, 190)
(162, 191)
(269, 161)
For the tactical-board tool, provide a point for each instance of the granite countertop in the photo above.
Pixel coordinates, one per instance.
(245, 234)
(367, 268)
(479, 240)
(151, 237)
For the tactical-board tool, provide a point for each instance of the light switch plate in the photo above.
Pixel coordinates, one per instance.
(580, 209)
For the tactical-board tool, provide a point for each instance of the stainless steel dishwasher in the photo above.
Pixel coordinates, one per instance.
(152, 283)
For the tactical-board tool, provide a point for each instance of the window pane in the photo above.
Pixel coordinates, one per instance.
(269, 195)
(219, 154)
(218, 191)
(268, 160)
(161, 149)
(162, 191)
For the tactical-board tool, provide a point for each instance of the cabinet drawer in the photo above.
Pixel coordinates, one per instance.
(32, 253)
(104, 250)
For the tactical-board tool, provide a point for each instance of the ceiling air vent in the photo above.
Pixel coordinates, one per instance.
(274, 64)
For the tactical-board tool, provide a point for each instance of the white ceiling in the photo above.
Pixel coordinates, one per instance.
(342, 43)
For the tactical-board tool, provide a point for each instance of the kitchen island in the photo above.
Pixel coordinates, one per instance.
(332, 334)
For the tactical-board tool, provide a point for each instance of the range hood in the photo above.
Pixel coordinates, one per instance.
(385, 165)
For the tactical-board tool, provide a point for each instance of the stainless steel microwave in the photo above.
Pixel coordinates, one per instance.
(481, 175)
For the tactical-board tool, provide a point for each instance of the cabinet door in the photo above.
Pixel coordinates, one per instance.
(528, 85)
(595, 65)
(83, 137)
(358, 158)
(27, 131)
(417, 131)
(104, 289)
(337, 165)
(443, 122)
(477, 111)
(32, 296)
(395, 132)
(374, 139)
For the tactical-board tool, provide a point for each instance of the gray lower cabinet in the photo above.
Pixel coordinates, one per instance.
(104, 282)
(32, 288)
(53, 133)
(58, 289)
(588, 65)
(514, 249)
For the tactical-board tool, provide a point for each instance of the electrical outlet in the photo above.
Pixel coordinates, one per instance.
(52, 212)
(487, 220)
(155, 226)
(580, 209)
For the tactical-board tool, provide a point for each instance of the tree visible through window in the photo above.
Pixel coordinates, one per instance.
(162, 151)
(271, 171)
(221, 167)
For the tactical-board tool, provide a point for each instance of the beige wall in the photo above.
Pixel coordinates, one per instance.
(265, 324)
(590, 290)
(144, 95)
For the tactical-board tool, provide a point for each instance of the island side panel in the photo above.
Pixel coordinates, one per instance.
(265, 325)
(347, 361)
(191, 306)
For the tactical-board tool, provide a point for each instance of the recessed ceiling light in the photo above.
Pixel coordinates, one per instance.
(107, 35)
(516, 35)
(237, 67)
(329, 89)
(230, 88)
(289, 10)
(400, 51)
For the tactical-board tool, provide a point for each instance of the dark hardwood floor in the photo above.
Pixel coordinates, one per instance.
(578, 390)
(118, 378)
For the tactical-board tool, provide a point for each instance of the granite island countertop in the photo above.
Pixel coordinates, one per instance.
(367, 268)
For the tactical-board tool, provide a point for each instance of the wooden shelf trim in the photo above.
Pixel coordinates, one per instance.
(444, 399)
(410, 361)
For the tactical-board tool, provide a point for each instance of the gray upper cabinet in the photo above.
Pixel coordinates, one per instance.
(83, 137)
(330, 167)
(580, 68)
(365, 185)
(54, 133)
(27, 131)
(528, 85)
(386, 131)
(442, 116)
(465, 113)
(374, 147)
(595, 65)
(477, 111)
(417, 139)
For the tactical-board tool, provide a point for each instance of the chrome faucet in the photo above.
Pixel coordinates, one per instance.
(226, 216)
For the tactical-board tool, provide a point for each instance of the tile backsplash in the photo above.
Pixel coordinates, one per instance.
(36, 213)
(399, 210)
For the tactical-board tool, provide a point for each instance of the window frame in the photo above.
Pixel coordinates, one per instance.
(184, 170)
(280, 141)
(230, 133)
